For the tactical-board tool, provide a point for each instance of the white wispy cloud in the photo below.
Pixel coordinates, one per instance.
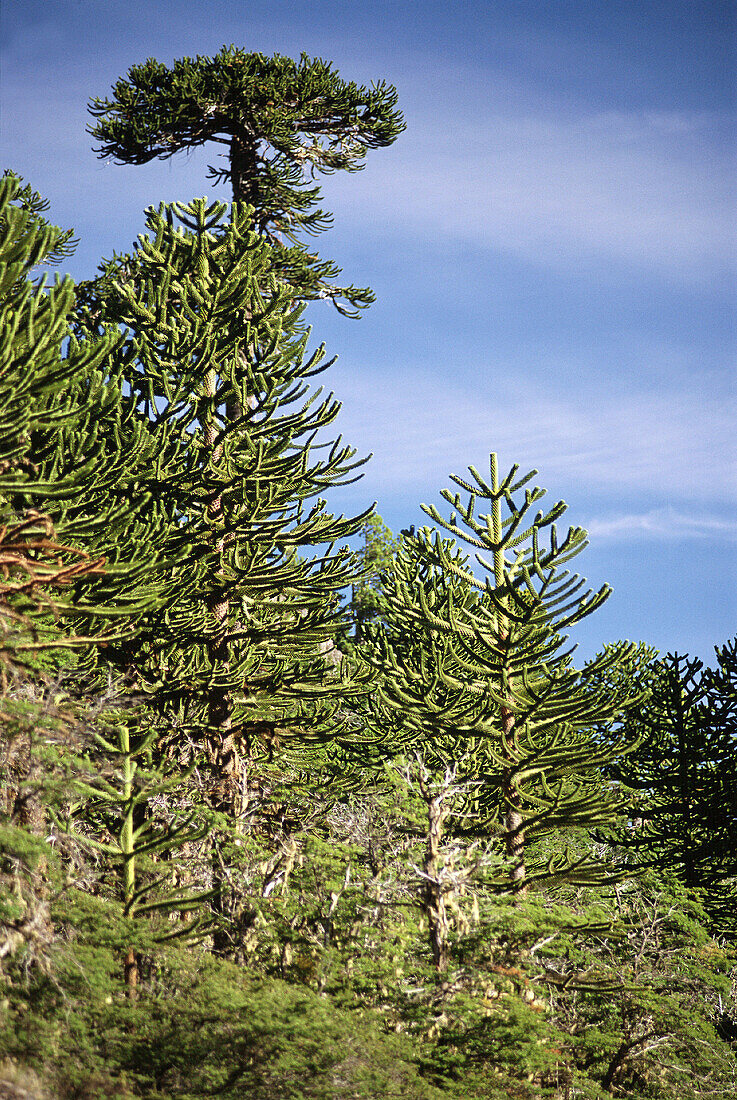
(484, 161)
(659, 524)
(650, 189)
(678, 444)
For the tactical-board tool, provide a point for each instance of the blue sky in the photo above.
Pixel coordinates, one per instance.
(551, 242)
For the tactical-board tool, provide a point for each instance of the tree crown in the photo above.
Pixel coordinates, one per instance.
(282, 119)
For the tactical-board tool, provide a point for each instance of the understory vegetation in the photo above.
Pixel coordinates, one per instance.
(281, 819)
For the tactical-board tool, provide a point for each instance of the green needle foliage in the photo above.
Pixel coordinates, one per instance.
(55, 244)
(221, 781)
(116, 821)
(374, 558)
(35, 376)
(280, 120)
(239, 661)
(475, 676)
(235, 660)
(684, 817)
(76, 517)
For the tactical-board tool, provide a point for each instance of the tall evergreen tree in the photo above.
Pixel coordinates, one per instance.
(475, 674)
(374, 558)
(237, 656)
(280, 121)
(78, 525)
(33, 558)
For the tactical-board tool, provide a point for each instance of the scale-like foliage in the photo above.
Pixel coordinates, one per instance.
(684, 818)
(281, 120)
(218, 367)
(70, 491)
(475, 674)
(373, 558)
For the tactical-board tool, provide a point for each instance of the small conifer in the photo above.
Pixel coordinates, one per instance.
(475, 674)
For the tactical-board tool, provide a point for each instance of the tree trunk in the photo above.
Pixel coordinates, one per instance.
(244, 169)
(127, 841)
(222, 748)
(230, 795)
(514, 833)
(130, 974)
(437, 916)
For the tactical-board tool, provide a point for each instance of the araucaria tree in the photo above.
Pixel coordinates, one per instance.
(684, 816)
(208, 774)
(280, 121)
(78, 518)
(79, 526)
(236, 657)
(475, 675)
(374, 558)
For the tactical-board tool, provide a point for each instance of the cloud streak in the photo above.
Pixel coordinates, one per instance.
(486, 163)
(659, 524)
(675, 444)
(646, 189)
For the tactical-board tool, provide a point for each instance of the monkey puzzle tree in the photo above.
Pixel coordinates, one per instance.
(32, 330)
(78, 523)
(682, 776)
(475, 674)
(280, 121)
(373, 558)
(235, 659)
